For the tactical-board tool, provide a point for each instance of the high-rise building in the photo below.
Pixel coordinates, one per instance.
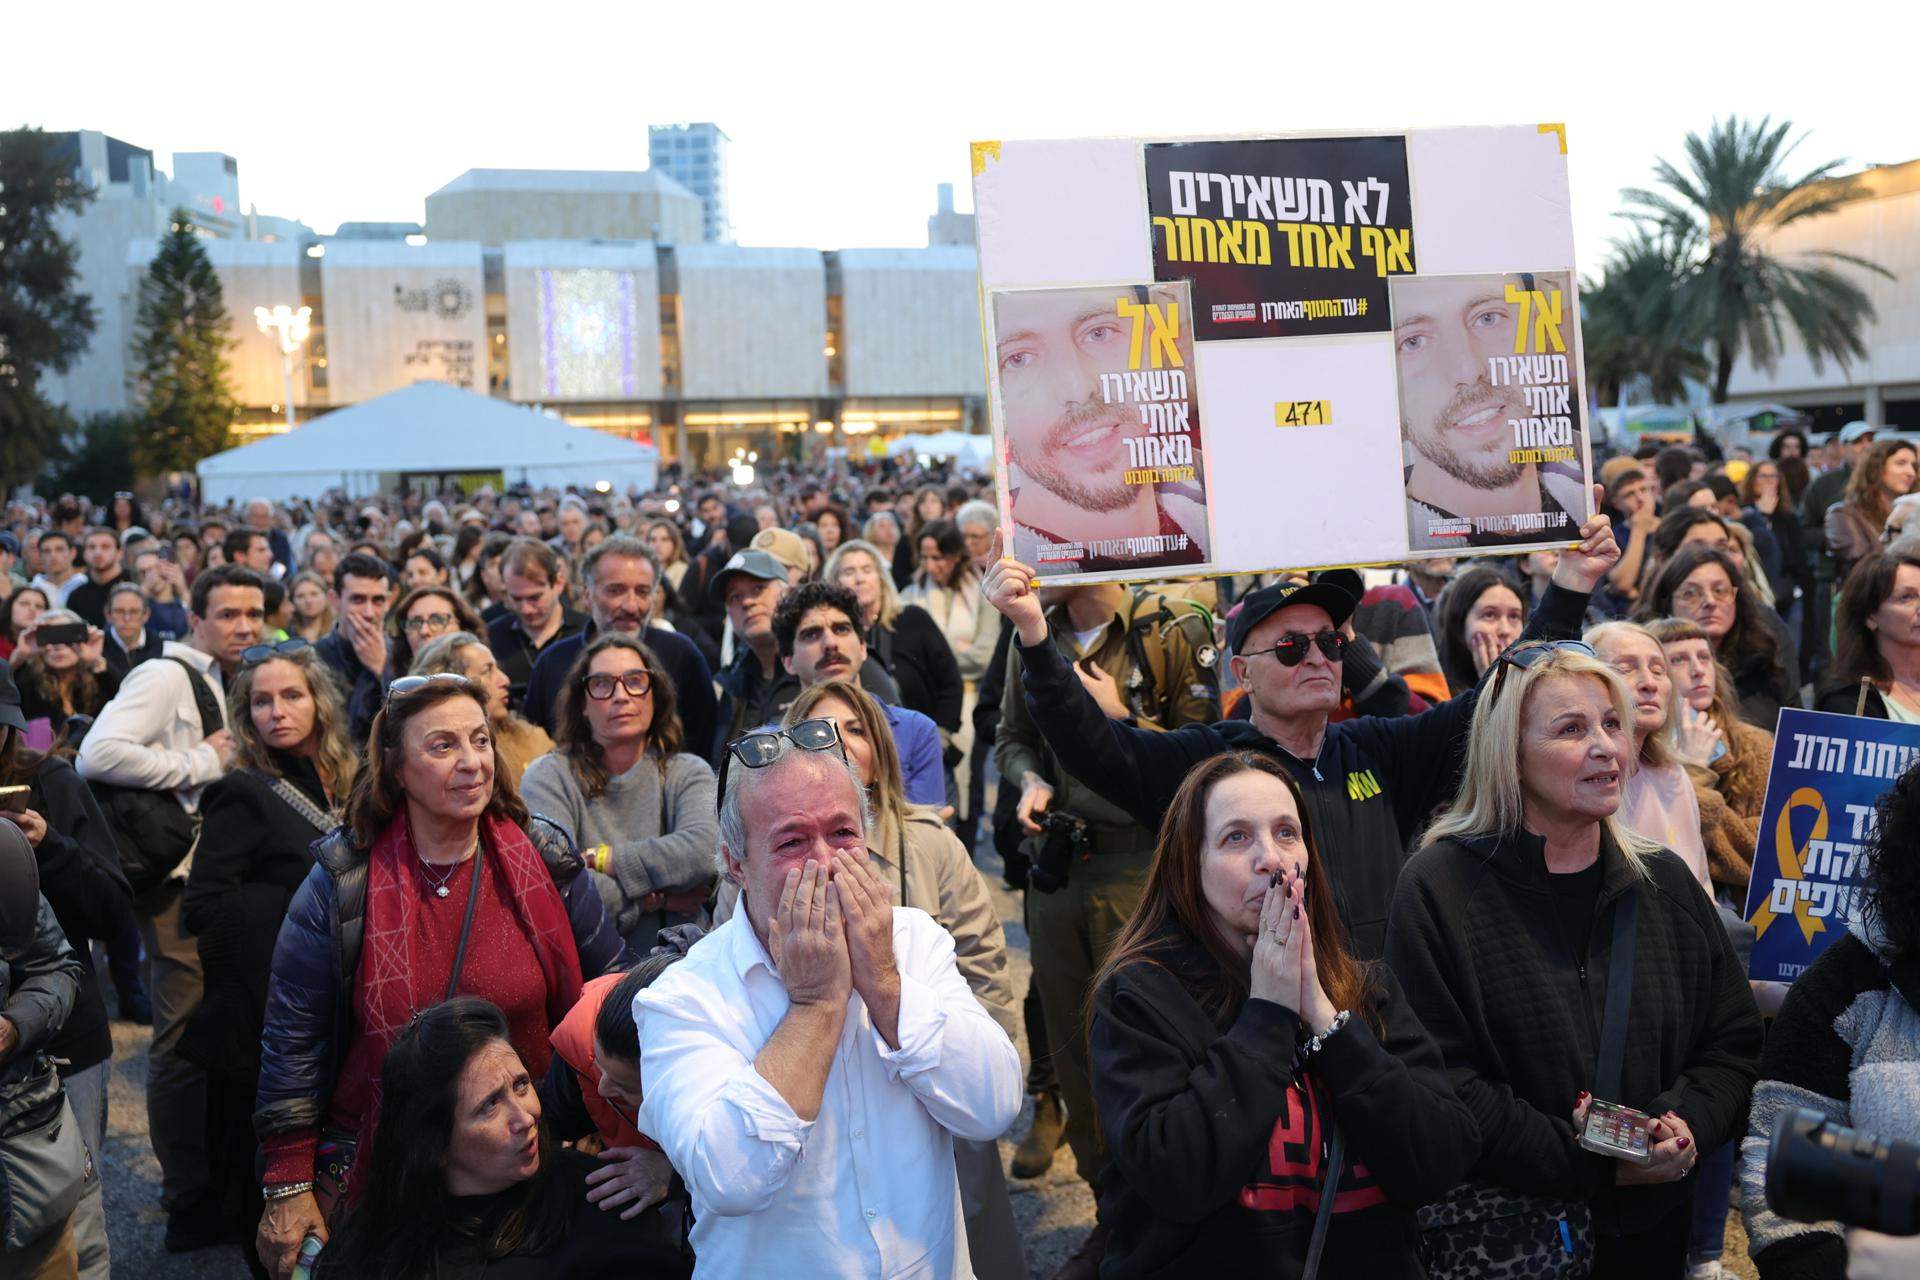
(946, 225)
(695, 156)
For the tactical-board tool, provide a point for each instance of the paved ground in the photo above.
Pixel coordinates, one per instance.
(1054, 1212)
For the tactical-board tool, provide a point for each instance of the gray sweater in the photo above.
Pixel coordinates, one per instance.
(626, 817)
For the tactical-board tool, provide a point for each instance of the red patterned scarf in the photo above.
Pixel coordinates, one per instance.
(386, 993)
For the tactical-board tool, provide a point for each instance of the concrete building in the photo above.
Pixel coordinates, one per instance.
(133, 201)
(493, 206)
(1883, 226)
(695, 156)
(945, 225)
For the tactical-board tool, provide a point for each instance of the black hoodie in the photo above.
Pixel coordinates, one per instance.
(1218, 1139)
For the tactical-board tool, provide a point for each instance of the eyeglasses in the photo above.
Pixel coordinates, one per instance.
(419, 622)
(1521, 656)
(413, 684)
(759, 749)
(1292, 648)
(1694, 593)
(255, 654)
(600, 685)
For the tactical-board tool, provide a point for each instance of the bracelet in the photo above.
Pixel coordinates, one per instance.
(285, 1190)
(1320, 1038)
(599, 858)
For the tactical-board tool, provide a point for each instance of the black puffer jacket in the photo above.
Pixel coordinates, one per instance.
(1478, 946)
(309, 1013)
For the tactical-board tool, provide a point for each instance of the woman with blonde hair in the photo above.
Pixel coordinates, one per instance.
(312, 605)
(927, 867)
(293, 768)
(1726, 758)
(1539, 939)
(1656, 797)
(517, 742)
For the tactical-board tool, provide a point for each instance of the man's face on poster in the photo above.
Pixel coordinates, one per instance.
(1053, 347)
(1444, 332)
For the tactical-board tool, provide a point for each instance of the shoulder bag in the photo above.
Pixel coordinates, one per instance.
(43, 1162)
(152, 830)
(1483, 1231)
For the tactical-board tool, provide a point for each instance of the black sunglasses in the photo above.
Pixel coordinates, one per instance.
(1291, 651)
(413, 684)
(1521, 656)
(761, 748)
(255, 654)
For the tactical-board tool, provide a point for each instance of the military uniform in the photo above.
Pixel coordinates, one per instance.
(1162, 657)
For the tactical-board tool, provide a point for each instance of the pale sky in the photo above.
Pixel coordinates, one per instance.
(844, 117)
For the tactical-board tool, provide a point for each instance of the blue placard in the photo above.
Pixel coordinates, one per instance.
(1828, 771)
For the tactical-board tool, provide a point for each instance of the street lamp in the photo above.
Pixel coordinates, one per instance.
(291, 327)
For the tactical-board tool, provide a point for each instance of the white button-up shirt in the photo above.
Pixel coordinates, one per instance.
(149, 735)
(866, 1188)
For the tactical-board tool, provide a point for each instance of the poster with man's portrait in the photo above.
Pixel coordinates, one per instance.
(1100, 419)
(1490, 418)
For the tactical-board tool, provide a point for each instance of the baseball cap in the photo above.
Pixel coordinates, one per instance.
(1855, 430)
(783, 545)
(10, 713)
(753, 563)
(9, 544)
(1257, 606)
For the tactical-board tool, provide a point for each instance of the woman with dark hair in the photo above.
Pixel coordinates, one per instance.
(1480, 614)
(1557, 956)
(425, 567)
(292, 770)
(902, 638)
(423, 615)
(1234, 1039)
(1876, 652)
(929, 503)
(833, 526)
(1846, 1043)
(1789, 442)
(63, 679)
(24, 608)
(464, 1181)
(1705, 586)
(464, 561)
(1764, 499)
(124, 513)
(1795, 476)
(438, 883)
(1853, 524)
(642, 809)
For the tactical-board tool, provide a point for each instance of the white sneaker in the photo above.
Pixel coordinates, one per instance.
(1708, 1270)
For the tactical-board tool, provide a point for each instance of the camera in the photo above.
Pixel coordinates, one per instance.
(1063, 838)
(1819, 1171)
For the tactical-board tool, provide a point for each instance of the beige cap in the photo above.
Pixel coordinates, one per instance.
(786, 546)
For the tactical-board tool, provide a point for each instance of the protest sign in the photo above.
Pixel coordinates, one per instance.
(1828, 772)
(1380, 334)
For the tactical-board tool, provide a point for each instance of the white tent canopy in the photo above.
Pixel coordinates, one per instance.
(965, 448)
(429, 429)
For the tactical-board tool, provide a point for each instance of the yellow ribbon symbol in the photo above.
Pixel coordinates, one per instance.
(1788, 856)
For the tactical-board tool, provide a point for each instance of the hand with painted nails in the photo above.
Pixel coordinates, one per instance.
(1283, 960)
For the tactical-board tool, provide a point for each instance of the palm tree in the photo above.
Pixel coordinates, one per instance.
(1739, 297)
(1627, 324)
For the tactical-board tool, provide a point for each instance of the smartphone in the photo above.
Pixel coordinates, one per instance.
(1617, 1131)
(165, 552)
(61, 633)
(14, 799)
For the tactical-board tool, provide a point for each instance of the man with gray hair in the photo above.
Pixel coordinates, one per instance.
(807, 1067)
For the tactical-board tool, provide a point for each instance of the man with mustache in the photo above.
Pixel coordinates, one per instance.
(1052, 345)
(1446, 328)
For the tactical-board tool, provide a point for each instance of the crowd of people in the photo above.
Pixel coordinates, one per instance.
(585, 884)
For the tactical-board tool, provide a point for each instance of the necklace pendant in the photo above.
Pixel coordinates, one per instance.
(441, 891)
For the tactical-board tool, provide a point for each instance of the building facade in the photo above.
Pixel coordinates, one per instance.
(1883, 227)
(695, 156)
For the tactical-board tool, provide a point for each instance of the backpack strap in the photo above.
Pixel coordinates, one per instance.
(1613, 1027)
(212, 720)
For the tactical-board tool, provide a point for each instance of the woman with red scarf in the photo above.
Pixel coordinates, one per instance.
(438, 883)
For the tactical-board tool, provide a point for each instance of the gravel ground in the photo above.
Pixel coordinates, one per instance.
(1054, 1211)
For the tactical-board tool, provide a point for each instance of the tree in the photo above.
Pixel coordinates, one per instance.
(180, 356)
(102, 461)
(1739, 296)
(1627, 323)
(45, 324)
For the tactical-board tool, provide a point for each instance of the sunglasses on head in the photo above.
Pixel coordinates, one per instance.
(255, 654)
(1291, 650)
(413, 684)
(1521, 656)
(761, 748)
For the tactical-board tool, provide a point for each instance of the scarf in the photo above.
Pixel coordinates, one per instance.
(386, 992)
